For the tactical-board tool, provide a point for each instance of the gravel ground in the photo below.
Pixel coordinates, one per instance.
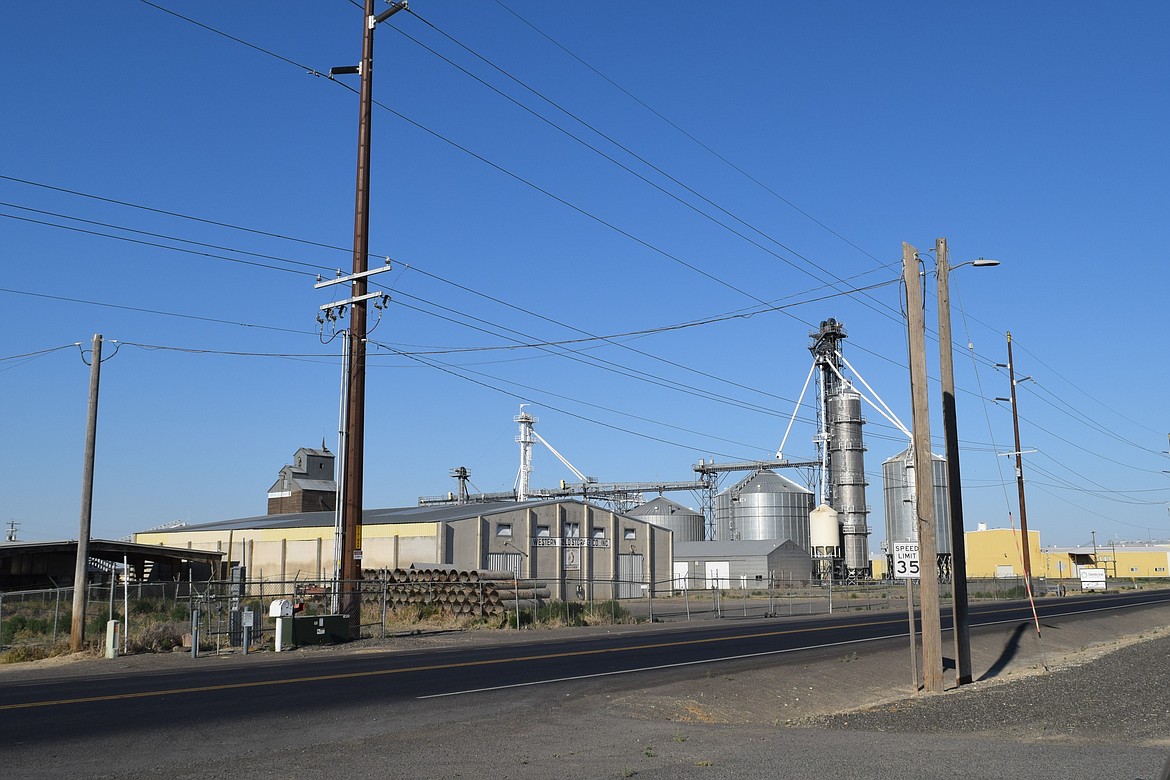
(1118, 697)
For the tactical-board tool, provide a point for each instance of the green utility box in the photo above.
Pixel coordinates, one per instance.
(320, 629)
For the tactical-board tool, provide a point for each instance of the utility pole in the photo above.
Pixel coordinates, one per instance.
(81, 570)
(355, 439)
(959, 607)
(1019, 466)
(354, 464)
(923, 476)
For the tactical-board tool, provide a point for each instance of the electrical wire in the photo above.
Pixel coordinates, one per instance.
(462, 374)
(625, 149)
(317, 73)
(156, 245)
(157, 312)
(37, 353)
(691, 137)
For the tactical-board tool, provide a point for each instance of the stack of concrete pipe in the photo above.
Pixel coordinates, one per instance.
(480, 593)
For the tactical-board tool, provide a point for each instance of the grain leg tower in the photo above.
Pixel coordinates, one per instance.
(842, 452)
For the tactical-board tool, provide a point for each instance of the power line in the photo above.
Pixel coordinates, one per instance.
(231, 353)
(166, 213)
(625, 149)
(157, 312)
(37, 353)
(739, 314)
(316, 267)
(1092, 398)
(481, 158)
(527, 399)
(691, 137)
(156, 245)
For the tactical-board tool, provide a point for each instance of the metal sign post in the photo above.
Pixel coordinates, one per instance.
(906, 568)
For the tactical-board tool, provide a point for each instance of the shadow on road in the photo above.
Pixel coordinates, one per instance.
(1010, 648)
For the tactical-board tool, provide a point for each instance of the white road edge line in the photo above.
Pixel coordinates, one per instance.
(738, 657)
(654, 668)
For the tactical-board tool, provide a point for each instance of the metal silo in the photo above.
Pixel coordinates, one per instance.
(764, 505)
(901, 524)
(687, 524)
(847, 476)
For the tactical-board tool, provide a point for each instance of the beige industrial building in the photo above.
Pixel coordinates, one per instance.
(581, 550)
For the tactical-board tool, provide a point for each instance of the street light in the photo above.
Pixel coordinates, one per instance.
(959, 607)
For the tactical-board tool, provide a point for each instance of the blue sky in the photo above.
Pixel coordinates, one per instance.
(546, 172)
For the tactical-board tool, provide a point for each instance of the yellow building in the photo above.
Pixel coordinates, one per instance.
(991, 552)
(1127, 562)
(998, 552)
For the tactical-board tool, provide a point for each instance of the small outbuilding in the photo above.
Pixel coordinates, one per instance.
(747, 565)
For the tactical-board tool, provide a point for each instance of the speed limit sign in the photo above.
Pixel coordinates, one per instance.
(905, 560)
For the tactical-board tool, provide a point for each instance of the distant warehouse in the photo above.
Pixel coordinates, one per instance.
(580, 549)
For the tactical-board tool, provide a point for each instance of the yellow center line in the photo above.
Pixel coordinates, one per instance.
(427, 667)
(452, 665)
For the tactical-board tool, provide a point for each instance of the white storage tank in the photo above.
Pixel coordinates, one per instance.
(687, 524)
(825, 532)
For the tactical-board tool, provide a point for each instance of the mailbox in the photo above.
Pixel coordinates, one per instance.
(280, 608)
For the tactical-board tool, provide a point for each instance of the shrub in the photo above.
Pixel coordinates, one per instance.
(157, 637)
(23, 653)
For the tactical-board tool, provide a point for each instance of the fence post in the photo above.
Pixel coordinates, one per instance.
(383, 609)
(650, 598)
(56, 614)
(126, 605)
(195, 633)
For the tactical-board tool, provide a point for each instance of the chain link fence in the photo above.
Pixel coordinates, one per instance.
(221, 614)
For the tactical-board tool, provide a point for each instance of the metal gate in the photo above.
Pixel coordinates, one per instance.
(505, 562)
(630, 575)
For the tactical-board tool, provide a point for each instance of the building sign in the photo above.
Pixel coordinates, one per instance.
(1092, 579)
(572, 559)
(569, 541)
(906, 561)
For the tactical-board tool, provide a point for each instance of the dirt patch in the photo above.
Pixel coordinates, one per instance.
(868, 678)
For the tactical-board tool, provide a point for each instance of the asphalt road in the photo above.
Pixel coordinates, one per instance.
(319, 710)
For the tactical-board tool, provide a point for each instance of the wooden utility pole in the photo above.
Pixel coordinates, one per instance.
(923, 476)
(355, 439)
(81, 570)
(1019, 466)
(959, 608)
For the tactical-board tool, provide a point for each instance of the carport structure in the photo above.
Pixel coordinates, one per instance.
(28, 565)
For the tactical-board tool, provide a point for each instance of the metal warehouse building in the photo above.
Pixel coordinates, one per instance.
(739, 564)
(581, 550)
